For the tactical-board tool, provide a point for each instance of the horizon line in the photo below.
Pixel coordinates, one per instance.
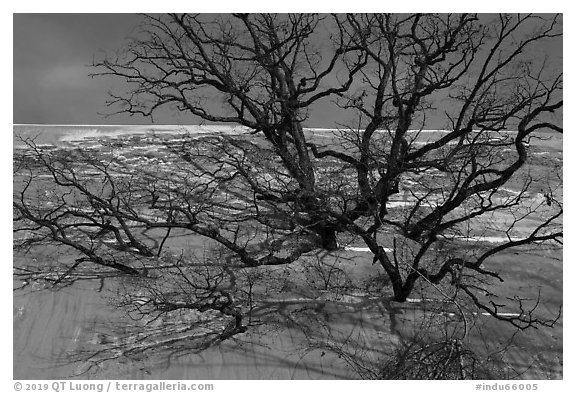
(122, 125)
(101, 125)
(224, 124)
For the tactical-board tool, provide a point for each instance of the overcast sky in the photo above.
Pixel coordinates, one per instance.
(52, 53)
(51, 57)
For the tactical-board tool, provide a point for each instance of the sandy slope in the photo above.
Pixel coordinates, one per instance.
(302, 336)
(54, 330)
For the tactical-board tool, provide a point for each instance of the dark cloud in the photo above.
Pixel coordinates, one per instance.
(51, 74)
(52, 53)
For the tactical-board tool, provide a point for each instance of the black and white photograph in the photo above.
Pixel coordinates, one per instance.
(287, 196)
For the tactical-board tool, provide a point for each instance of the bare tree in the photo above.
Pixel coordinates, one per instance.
(278, 192)
(491, 88)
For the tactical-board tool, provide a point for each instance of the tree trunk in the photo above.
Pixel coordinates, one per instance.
(327, 237)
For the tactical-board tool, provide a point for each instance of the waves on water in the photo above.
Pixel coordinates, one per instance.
(64, 134)
(82, 134)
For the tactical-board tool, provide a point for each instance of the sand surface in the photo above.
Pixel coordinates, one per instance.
(297, 334)
(292, 337)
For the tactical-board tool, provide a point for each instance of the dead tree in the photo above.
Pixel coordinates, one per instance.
(277, 192)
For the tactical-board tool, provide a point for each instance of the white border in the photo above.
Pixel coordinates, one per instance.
(35, 6)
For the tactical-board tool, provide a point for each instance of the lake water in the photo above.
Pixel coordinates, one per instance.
(62, 134)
